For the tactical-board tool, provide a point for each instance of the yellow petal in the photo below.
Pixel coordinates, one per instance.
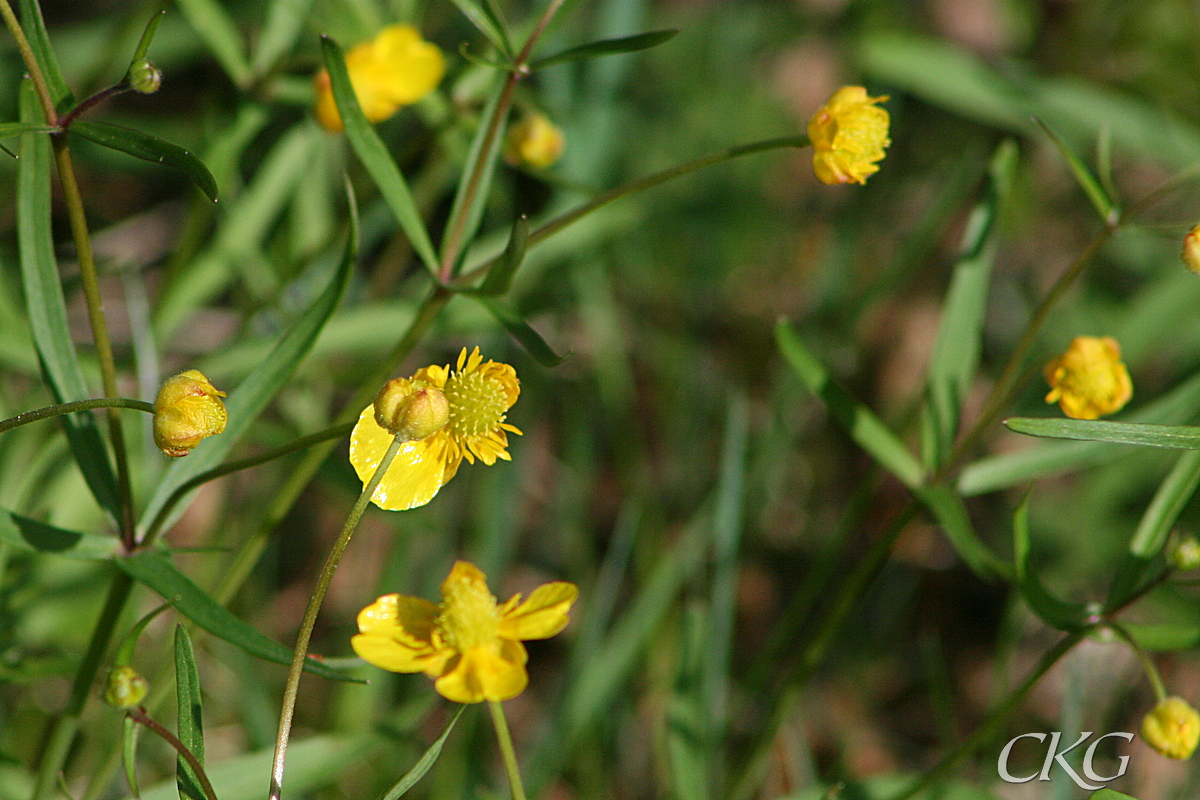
(481, 674)
(413, 615)
(416, 474)
(392, 654)
(396, 634)
(542, 615)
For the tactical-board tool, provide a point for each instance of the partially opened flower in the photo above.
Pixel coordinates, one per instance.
(188, 409)
(478, 393)
(394, 69)
(848, 135)
(1172, 728)
(534, 142)
(468, 644)
(1089, 380)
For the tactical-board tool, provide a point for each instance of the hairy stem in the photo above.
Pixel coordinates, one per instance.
(27, 417)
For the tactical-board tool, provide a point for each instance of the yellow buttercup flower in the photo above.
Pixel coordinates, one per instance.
(534, 142)
(479, 394)
(1191, 250)
(468, 644)
(187, 410)
(394, 69)
(1089, 381)
(848, 135)
(1172, 728)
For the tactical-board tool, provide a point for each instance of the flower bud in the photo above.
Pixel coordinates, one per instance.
(1185, 553)
(125, 688)
(411, 410)
(188, 409)
(534, 142)
(1172, 728)
(144, 77)
(1191, 250)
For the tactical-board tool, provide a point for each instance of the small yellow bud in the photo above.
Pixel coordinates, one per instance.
(848, 135)
(534, 142)
(412, 410)
(126, 688)
(1089, 381)
(1191, 250)
(1185, 553)
(1172, 728)
(144, 77)
(188, 409)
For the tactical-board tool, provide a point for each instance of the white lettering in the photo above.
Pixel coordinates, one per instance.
(1052, 755)
(1002, 763)
(1091, 753)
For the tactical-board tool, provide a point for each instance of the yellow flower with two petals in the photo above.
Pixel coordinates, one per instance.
(468, 644)
(479, 394)
(394, 69)
(848, 135)
(1089, 380)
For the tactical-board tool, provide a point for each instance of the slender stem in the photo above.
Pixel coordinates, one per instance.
(1152, 674)
(140, 716)
(456, 229)
(506, 750)
(27, 417)
(31, 64)
(68, 722)
(92, 102)
(984, 733)
(291, 689)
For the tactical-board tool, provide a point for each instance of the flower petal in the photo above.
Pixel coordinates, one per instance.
(482, 674)
(396, 634)
(416, 474)
(542, 615)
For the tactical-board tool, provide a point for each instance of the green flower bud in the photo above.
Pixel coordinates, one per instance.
(410, 409)
(126, 688)
(144, 77)
(1185, 554)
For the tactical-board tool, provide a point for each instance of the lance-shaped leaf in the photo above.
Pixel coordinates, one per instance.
(285, 22)
(374, 155)
(519, 329)
(1178, 437)
(427, 760)
(129, 740)
(1172, 495)
(951, 513)
(191, 730)
(1054, 612)
(149, 148)
(487, 19)
(29, 534)
(220, 33)
(155, 571)
(43, 53)
(47, 308)
(1095, 192)
(500, 276)
(607, 47)
(9, 129)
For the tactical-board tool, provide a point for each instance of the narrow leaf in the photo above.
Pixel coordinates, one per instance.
(155, 571)
(426, 761)
(1172, 495)
(143, 45)
(500, 276)
(487, 21)
(47, 308)
(9, 129)
(1164, 636)
(607, 47)
(1179, 437)
(1054, 612)
(191, 729)
(220, 33)
(473, 189)
(152, 149)
(951, 513)
(31, 535)
(285, 22)
(252, 394)
(519, 329)
(859, 421)
(1083, 176)
(129, 735)
(1110, 794)
(374, 155)
(35, 30)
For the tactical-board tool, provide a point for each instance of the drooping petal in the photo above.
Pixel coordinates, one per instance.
(542, 615)
(416, 474)
(482, 674)
(415, 616)
(396, 634)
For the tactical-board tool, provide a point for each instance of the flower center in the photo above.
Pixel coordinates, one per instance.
(477, 403)
(468, 616)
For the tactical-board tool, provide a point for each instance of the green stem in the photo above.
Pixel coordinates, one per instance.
(31, 64)
(140, 716)
(27, 417)
(292, 687)
(985, 732)
(68, 722)
(1152, 674)
(511, 768)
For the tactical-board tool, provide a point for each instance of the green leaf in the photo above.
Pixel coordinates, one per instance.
(1099, 198)
(8, 129)
(485, 18)
(1054, 612)
(955, 355)
(191, 729)
(1164, 636)
(129, 736)
(687, 725)
(859, 421)
(500, 276)
(143, 45)
(31, 535)
(519, 329)
(220, 33)
(254, 393)
(1178, 437)
(149, 148)
(1132, 575)
(607, 47)
(35, 30)
(410, 778)
(951, 514)
(1172, 495)
(375, 157)
(47, 309)
(155, 571)
(285, 22)
(1110, 794)
(473, 189)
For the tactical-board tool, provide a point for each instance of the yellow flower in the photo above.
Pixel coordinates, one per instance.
(468, 644)
(479, 394)
(188, 409)
(1088, 380)
(534, 142)
(1172, 728)
(394, 69)
(848, 135)
(1191, 250)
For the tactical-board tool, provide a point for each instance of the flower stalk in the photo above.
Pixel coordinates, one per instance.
(507, 751)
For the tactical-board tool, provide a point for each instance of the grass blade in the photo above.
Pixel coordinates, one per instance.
(150, 148)
(607, 47)
(1172, 495)
(1096, 194)
(39, 40)
(1179, 437)
(191, 730)
(426, 761)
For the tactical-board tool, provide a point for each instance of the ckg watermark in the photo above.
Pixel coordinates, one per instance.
(1091, 781)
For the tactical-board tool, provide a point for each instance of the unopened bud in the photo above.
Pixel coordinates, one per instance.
(144, 77)
(1185, 553)
(188, 409)
(1172, 728)
(411, 410)
(125, 688)
(534, 142)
